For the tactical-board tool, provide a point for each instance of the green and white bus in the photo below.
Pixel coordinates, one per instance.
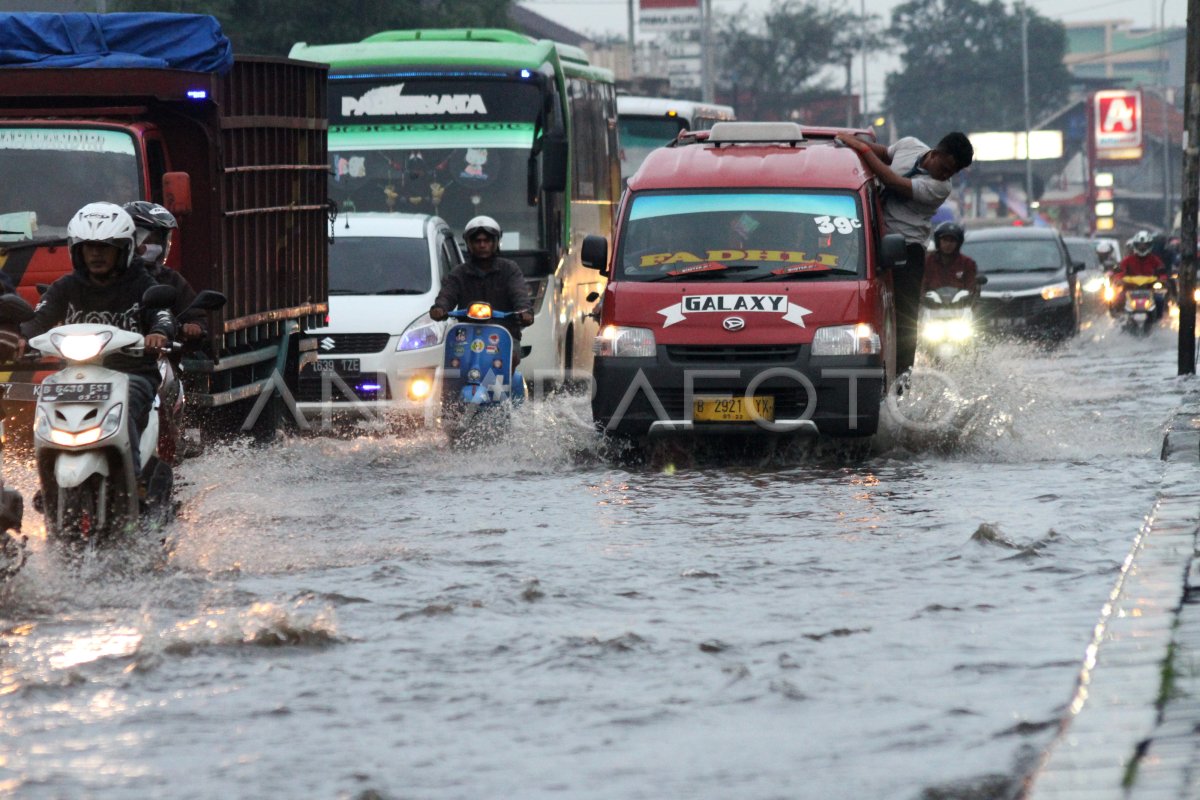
(485, 121)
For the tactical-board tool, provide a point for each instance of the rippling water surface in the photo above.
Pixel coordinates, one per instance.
(379, 616)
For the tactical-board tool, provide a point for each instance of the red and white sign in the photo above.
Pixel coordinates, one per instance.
(663, 16)
(1118, 120)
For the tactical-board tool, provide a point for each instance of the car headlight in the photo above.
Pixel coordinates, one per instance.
(1056, 290)
(846, 340)
(625, 342)
(422, 333)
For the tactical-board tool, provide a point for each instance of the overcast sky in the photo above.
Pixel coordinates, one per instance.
(610, 17)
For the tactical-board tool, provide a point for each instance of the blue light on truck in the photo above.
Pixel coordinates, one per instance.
(198, 94)
(525, 73)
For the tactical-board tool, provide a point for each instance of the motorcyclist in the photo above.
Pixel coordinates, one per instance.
(487, 278)
(106, 286)
(1108, 258)
(1141, 262)
(946, 265)
(154, 230)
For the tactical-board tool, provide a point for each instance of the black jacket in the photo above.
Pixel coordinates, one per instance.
(74, 298)
(169, 277)
(503, 287)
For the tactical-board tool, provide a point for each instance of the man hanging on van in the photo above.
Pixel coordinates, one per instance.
(487, 278)
(916, 182)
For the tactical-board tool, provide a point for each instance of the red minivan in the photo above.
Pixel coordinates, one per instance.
(749, 289)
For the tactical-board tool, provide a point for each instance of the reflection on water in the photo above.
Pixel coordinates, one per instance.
(799, 619)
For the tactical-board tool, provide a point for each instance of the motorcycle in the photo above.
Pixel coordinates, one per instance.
(946, 321)
(1140, 302)
(13, 545)
(89, 489)
(478, 382)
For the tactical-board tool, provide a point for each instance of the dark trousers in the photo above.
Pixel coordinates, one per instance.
(907, 282)
(141, 400)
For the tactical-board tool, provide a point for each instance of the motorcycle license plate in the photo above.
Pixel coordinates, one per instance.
(732, 409)
(1008, 322)
(75, 392)
(343, 366)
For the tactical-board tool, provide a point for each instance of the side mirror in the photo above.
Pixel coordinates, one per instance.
(1078, 266)
(594, 253)
(14, 308)
(177, 192)
(891, 251)
(554, 162)
(159, 296)
(593, 297)
(208, 300)
(981, 280)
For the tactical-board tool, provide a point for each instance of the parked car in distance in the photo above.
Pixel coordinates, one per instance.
(1032, 289)
(379, 351)
(1092, 278)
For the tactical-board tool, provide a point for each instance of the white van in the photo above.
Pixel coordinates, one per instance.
(379, 351)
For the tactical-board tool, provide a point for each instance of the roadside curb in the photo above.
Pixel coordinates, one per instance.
(1130, 729)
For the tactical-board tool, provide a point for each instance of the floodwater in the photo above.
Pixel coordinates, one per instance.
(377, 616)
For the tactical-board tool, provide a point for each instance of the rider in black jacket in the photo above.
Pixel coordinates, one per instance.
(155, 225)
(487, 278)
(106, 287)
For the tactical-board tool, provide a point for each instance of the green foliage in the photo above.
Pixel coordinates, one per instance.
(789, 55)
(271, 27)
(961, 68)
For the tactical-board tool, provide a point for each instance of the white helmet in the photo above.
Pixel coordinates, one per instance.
(1142, 241)
(106, 223)
(481, 223)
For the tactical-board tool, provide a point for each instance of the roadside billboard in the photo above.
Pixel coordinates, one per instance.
(1117, 124)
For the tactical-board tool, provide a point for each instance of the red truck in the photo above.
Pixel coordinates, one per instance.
(238, 154)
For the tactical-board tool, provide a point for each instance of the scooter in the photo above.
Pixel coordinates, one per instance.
(477, 379)
(1144, 300)
(13, 545)
(946, 321)
(90, 492)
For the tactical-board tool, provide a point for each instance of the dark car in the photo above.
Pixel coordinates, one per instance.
(1032, 288)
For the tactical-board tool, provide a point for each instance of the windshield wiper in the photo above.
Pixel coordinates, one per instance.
(708, 272)
(789, 276)
(399, 291)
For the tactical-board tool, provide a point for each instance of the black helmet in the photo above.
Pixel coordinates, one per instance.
(151, 216)
(951, 229)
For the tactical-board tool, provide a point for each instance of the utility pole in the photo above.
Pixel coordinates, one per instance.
(866, 108)
(1191, 194)
(1168, 222)
(1025, 75)
(707, 91)
(632, 43)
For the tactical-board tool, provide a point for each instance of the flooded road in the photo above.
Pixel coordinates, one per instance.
(379, 616)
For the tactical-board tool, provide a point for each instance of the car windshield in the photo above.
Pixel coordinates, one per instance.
(1014, 255)
(48, 170)
(1083, 250)
(751, 236)
(379, 265)
(640, 135)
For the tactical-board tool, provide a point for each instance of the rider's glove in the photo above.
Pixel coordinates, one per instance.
(437, 313)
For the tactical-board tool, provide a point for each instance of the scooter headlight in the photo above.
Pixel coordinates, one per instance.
(41, 424)
(107, 427)
(958, 330)
(934, 330)
(80, 347)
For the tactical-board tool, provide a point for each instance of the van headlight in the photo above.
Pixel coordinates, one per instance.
(422, 333)
(1056, 290)
(846, 340)
(620, 342)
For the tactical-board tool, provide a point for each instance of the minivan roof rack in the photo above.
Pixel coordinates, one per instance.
(760, 132)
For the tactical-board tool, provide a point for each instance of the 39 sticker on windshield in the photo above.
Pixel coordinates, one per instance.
(842, 225)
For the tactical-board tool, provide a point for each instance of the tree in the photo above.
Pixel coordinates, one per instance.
(788, 56)
(962, 68)
(271, 27)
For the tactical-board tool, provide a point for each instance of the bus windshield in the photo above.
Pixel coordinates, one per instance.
(50, 173)
(752, 236)
(640, 135)
(437, 146)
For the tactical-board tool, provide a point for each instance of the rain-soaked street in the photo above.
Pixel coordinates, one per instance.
(379, 616)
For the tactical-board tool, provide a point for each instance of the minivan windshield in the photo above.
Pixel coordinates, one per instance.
(379, 265)
(1014, 255)
(741, 236)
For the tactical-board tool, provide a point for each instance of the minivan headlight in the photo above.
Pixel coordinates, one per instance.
(422, 333)
(1056, 290)
(621, 342)
(846, 340)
